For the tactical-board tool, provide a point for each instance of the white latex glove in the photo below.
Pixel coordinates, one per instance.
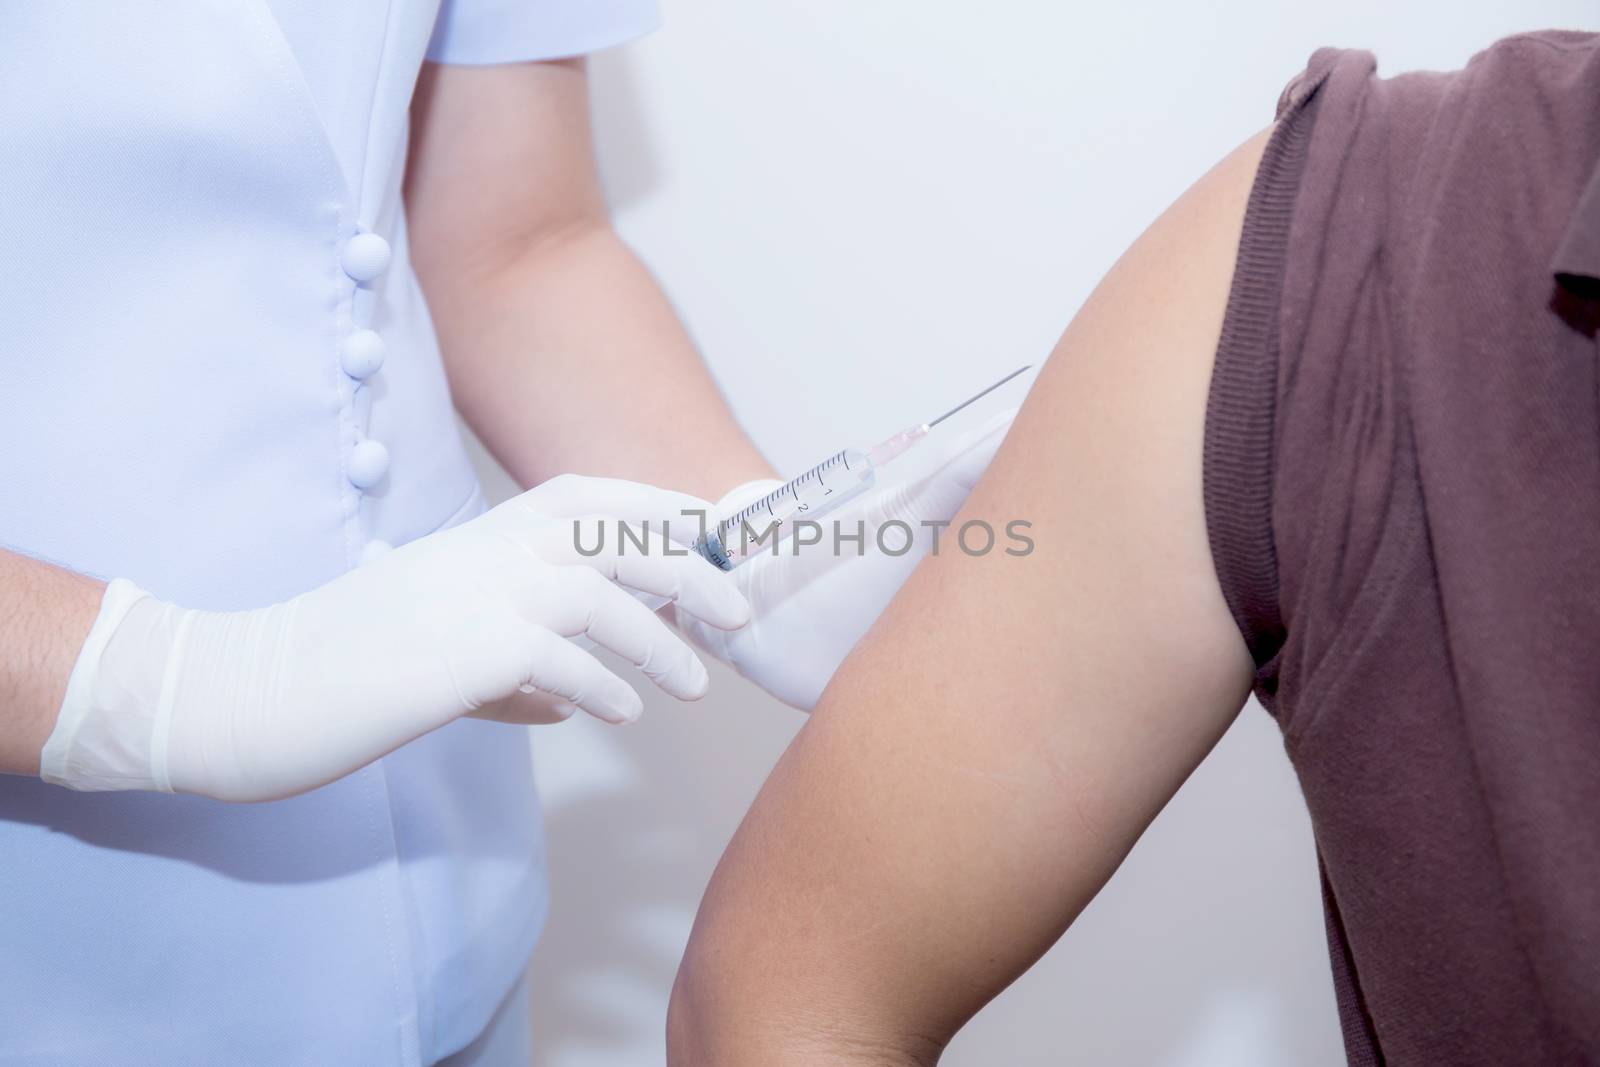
(256, 705)
(808, 609)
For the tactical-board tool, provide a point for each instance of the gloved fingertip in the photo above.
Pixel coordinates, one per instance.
(618, 707)
(724, 607)
(699, 681)
(739, 615)
(990, 432)
(630, 709)
(999, 419)
(687, 680)
(733, 609)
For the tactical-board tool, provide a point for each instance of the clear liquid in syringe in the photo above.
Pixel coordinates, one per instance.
(761, 526)
(767, 523)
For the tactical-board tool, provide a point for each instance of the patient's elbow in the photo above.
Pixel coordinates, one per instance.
(714, 1020)
(690, 1034)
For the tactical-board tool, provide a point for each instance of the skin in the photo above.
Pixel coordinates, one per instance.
(964, 789)
(45, 613)
(562, 352)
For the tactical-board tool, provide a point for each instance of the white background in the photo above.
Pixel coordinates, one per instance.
(864, 208)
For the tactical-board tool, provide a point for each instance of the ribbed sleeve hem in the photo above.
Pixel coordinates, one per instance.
(1240, 409)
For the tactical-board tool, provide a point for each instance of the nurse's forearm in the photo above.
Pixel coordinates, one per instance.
(45, 613)
(570, 359)
(563, 353)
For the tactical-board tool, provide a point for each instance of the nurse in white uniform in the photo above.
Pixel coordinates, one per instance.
(222, 393)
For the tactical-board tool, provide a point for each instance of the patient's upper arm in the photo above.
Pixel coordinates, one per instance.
(989, 753)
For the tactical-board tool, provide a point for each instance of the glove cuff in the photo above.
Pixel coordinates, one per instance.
(103, 732)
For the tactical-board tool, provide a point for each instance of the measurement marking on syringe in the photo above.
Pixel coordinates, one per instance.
(714, 544)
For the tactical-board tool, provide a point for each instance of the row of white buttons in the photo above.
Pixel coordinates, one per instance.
(365, 257)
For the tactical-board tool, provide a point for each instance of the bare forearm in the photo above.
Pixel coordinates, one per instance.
(562, 351)
(45, 613)
(569, 358)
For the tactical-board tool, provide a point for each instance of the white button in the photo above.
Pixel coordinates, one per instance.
(366, 255)
(361, 354)
(374, 550)
(369, 462)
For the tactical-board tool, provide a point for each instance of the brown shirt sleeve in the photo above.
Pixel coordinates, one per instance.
(1240, 412)
(1402, 487)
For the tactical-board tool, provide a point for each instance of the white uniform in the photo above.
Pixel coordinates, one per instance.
(218, 379)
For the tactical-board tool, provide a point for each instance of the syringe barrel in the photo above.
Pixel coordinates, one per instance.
(766, 525)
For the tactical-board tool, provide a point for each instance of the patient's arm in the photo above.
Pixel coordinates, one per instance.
(988, 755)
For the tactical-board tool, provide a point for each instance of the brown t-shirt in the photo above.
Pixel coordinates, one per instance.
(1402, 480)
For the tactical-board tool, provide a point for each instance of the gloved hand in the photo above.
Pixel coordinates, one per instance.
(809, 608)
(257, 705)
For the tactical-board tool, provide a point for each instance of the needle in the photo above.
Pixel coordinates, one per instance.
(974, 399)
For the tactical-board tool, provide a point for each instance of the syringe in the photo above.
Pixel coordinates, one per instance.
(763, 525)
